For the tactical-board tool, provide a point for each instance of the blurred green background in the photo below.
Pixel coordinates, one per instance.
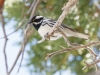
(85, 18)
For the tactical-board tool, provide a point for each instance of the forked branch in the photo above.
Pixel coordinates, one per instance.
(71, 49)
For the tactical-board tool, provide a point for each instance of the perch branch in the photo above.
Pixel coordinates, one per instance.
(66, 8)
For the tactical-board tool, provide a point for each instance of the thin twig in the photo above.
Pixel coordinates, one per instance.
(23, 20)
(71, 49)
(92, 52)
(94, 57)
(90, 65)
(64, 36)
(26, 36)
(27, 31)
(5, 36)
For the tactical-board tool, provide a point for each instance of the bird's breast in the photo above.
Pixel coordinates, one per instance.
(46, 28)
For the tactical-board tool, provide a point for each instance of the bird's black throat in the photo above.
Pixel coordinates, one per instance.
(39, 21)
(37, 26)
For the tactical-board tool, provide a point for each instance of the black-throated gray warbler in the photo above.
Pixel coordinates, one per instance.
(44, 25)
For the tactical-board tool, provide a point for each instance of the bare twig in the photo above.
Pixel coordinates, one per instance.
(71, 49)
(26, 36)
(22, 47)
(5, 36)
(42, 40)
(90, 65)
(25, 40)
(94, 56)
(92, 52)
(78, 47)
(65, 37)
(27, 31)
(23, 20)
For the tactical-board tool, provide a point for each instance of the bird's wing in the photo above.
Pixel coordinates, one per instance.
(47, 21)
(52, 22)
(65, 26)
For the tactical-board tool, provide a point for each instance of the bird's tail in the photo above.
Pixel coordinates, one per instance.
(70, 32)
(81, 35)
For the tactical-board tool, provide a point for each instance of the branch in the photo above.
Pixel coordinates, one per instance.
(66, 8)
(5, 36)
(23, 20)
(90, 65)
(26, 35)
(27, 30)
(71, 49)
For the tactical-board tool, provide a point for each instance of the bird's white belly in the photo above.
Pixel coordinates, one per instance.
(44, 29)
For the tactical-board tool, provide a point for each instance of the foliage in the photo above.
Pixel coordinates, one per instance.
(85, 18)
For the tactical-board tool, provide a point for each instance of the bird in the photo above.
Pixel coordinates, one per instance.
(44, 25)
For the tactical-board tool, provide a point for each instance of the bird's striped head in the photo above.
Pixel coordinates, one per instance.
(36, 21)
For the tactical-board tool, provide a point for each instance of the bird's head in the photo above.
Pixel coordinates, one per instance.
(36, 20)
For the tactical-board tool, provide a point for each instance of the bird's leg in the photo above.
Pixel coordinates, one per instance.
(46, 36)
(52, 35)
